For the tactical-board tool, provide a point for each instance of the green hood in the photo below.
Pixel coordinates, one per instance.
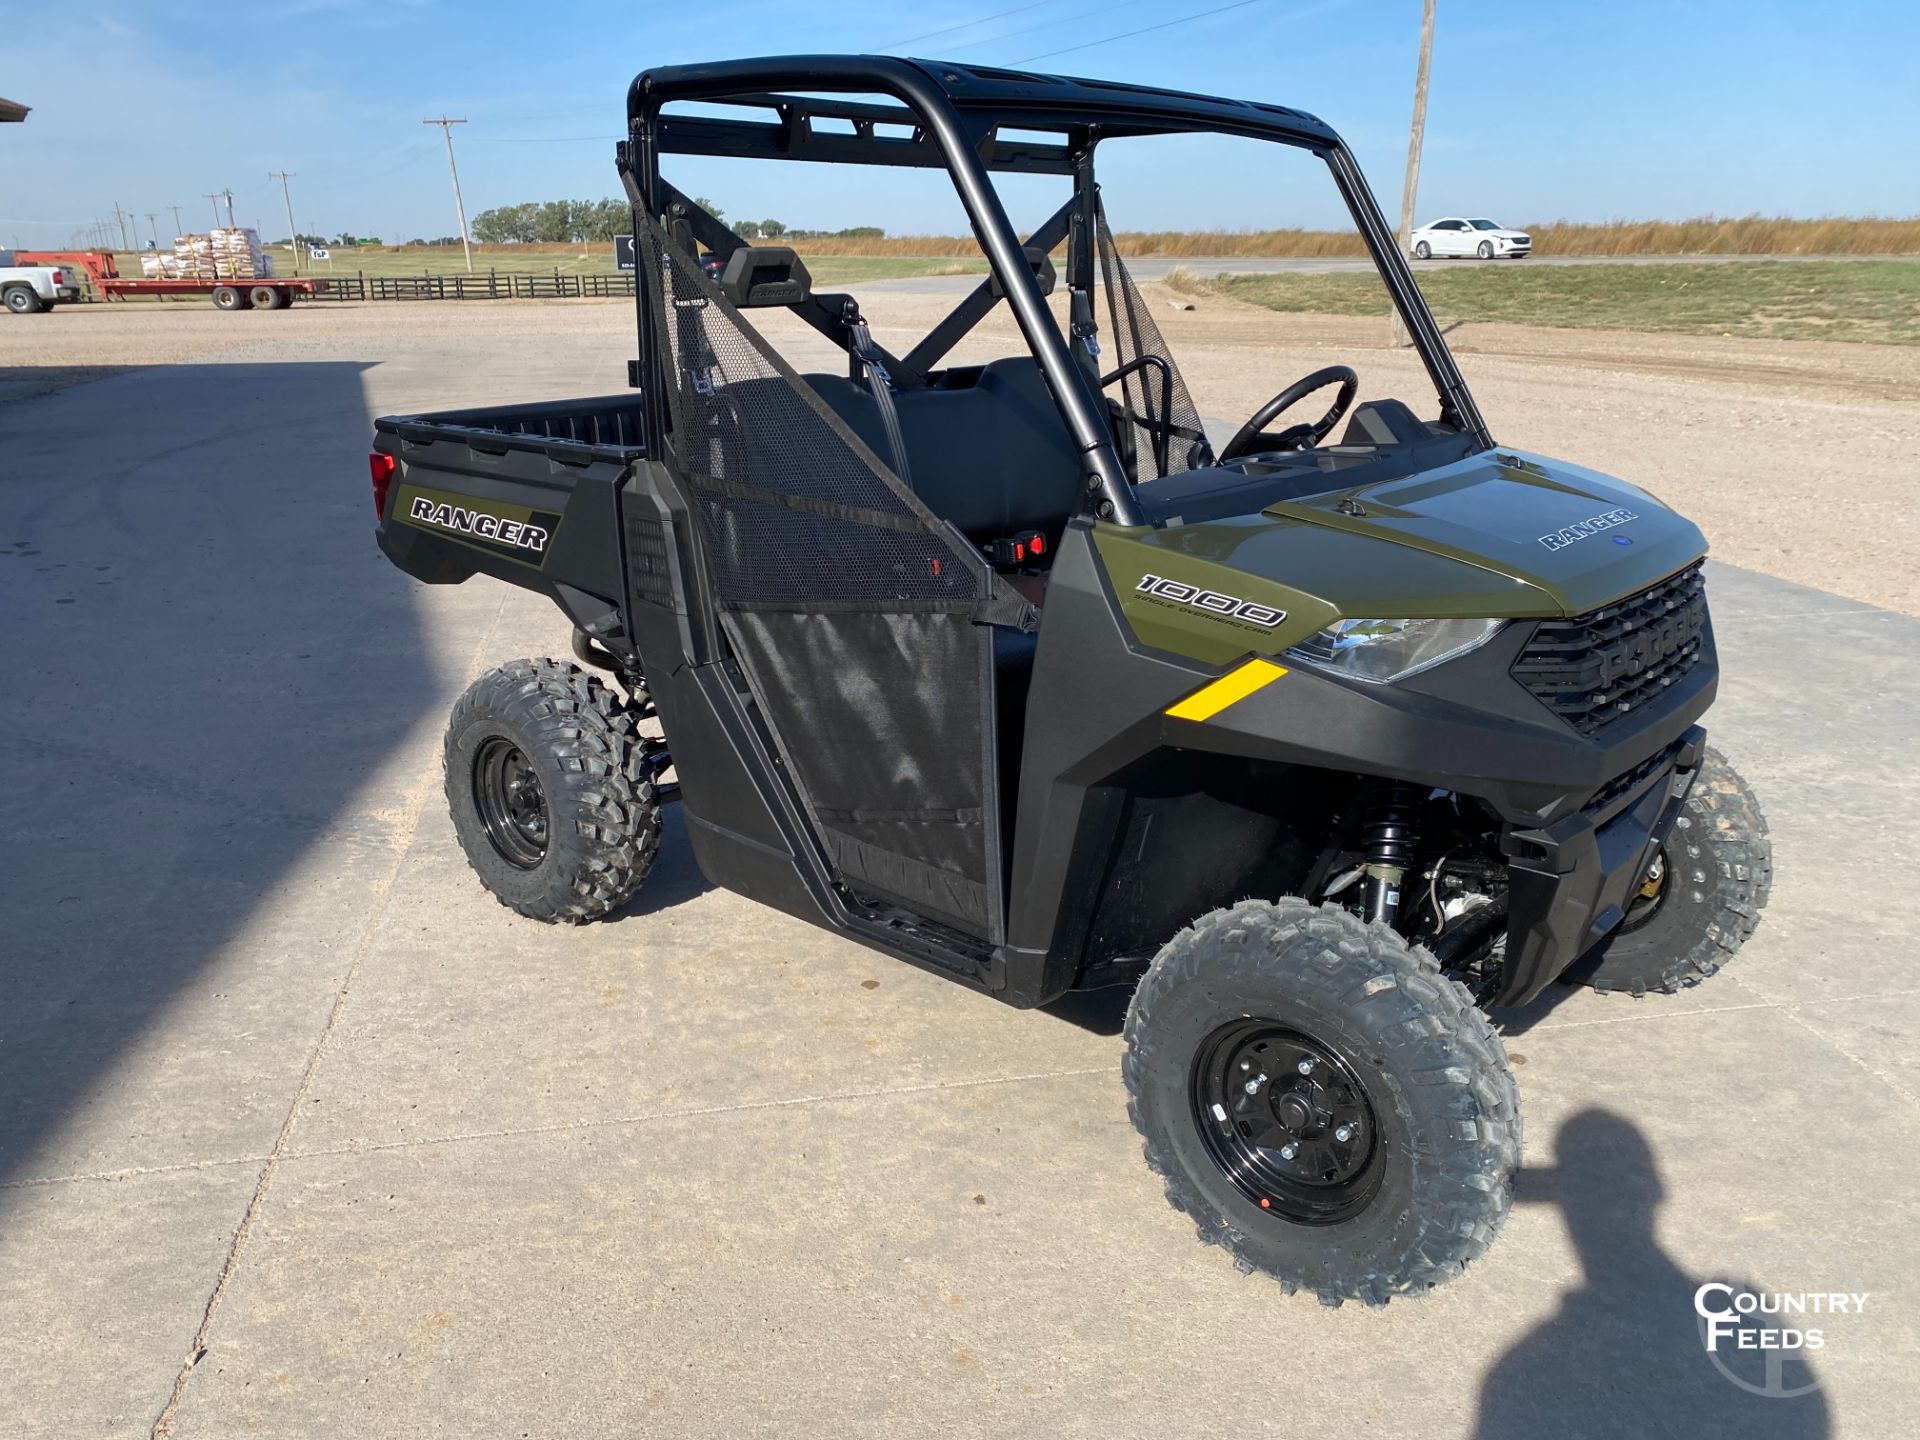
(1499, 534)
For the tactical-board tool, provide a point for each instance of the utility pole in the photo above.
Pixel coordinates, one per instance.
(120, 218)
(153, 224)
(178, 229)
(214, 197)
(1414, 138)
(231, 225)
(293, 233)
(446, 130)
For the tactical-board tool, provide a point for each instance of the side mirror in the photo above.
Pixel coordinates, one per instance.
(1043, 271)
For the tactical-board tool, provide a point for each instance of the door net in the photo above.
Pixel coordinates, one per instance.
(1167, 435)
(848, 604)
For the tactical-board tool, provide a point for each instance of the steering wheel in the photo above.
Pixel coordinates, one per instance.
(1252, 437)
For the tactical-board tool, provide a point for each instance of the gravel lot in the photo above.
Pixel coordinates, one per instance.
(1795, 457)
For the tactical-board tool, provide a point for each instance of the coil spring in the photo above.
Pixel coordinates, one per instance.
(1389, 838)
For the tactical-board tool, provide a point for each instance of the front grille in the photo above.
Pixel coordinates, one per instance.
(1595, 668)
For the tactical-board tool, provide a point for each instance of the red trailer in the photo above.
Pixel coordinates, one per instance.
(267, 293)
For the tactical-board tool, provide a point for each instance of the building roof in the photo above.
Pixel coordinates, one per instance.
(13, 110)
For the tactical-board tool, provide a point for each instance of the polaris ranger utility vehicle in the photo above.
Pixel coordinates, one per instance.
(1328, 738)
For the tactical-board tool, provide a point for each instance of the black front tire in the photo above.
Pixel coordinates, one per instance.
(1442, 1101)
(1717, 872)
(599, 827)
(1486, 249)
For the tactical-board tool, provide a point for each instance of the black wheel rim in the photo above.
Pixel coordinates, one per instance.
(1288, 1121)
(512, 806)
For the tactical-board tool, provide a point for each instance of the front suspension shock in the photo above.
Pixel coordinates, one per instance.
(1389, 838)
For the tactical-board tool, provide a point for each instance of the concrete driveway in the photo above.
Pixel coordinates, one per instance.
(302, 1134)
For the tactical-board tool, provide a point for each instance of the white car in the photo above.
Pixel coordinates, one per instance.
(1456, 236)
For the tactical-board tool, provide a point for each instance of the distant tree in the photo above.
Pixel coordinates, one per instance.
(772, 229)
(711, 208)
(506, 225)
(609, 218)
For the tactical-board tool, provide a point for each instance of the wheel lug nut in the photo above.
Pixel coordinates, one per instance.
(1253, 1085)
(1305, 1067)
(1289, 1150)
(1343, 1134)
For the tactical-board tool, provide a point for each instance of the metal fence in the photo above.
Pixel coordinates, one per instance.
(488, 285)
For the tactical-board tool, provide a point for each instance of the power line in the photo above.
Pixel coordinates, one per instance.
(541, 139)
(983, 20)
(1144, 30)
(1048, 25)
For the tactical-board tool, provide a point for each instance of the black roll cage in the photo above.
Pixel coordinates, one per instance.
(953, 117)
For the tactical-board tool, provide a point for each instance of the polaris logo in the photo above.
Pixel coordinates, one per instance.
(1213, 602)
(1581, 529)
(520, 534)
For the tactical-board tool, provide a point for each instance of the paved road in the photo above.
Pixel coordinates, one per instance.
(1158, 267)
(301, 1134)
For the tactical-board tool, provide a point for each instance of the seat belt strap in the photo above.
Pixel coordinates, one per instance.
(879, 382)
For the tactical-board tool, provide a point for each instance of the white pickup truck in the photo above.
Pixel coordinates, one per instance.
(29, 289)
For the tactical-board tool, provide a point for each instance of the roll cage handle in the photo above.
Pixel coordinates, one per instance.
(1080, 405)
(1163, 428)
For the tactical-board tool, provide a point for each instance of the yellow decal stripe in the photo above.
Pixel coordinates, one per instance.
(1210, 699)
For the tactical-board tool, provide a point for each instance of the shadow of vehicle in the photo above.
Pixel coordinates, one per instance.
(675, 878)
(1625, 1354)
(206, 660)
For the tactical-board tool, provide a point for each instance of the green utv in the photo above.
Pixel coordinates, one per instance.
(1324, 741)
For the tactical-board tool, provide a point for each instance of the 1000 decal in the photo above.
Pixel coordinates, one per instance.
(1211, 602)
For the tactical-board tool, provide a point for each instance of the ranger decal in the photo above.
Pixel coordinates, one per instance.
(511, 531)
(1581, 529)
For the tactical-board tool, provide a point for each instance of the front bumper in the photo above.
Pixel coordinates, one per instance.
(1568, 883)
(1579, 814)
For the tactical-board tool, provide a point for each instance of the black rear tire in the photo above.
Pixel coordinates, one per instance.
(582, 780)
(229, 297)
(1438, 1096)
(266, 297)
(1423, 251)
(1717, 872)
(23, 301)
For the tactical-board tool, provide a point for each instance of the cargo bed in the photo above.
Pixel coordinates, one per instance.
(526, 493)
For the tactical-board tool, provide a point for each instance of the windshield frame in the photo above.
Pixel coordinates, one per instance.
(956, 114)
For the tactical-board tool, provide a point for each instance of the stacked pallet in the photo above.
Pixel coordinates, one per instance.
(237, 255)
(217, 255)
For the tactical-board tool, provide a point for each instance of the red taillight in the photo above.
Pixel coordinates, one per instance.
(382, 466)
(59, 277)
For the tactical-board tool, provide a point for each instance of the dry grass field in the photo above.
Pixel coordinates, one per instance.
(1706, 235)
(1870, 300)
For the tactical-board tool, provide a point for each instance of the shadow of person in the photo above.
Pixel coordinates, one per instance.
(1625, 1355)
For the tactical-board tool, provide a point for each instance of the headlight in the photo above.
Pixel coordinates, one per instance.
(1384, 650)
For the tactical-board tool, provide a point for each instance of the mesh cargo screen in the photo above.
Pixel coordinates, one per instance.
(848, 604)
(1155, 408)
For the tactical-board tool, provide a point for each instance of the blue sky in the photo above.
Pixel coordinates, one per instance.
(1539, 111)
